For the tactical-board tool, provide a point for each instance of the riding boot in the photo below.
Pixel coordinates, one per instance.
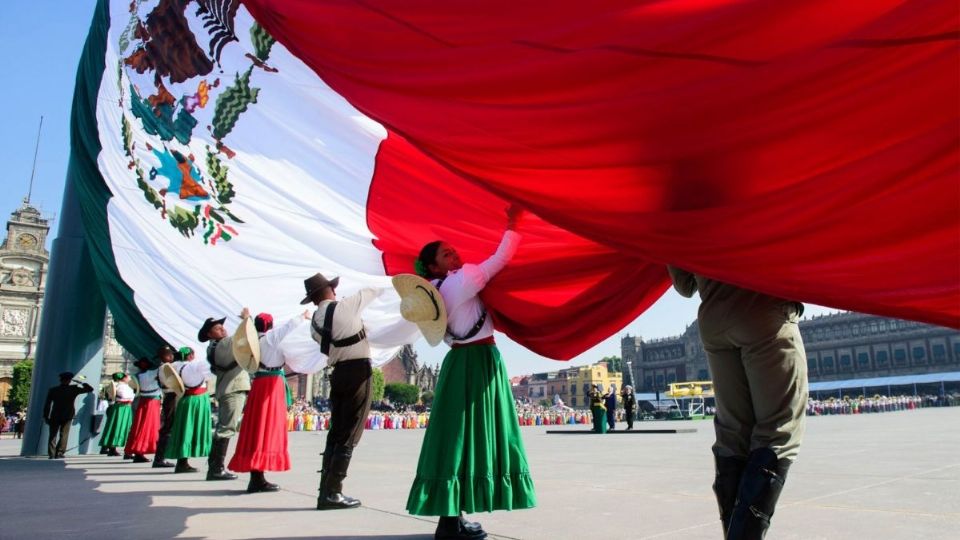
(760, 487)
(258, 483)
(331, 481)
(726, 483)
(218, 454)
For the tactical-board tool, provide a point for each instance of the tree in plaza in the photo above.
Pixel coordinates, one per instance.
(376, 385)
(544, 402)
(614, 363)
(402, 393)
(20, 388)
(427, 398)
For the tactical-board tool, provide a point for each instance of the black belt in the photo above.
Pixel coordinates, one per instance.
(326, 333)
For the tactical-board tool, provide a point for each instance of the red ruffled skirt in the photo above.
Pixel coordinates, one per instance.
(146, 428)
(262, 443)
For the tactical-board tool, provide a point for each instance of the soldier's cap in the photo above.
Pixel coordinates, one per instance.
(66, 375)
(207, 325)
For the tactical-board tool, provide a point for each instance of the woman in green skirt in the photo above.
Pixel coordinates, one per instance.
(472, 459)
(191, 434)
(119, 416)
(598, 410)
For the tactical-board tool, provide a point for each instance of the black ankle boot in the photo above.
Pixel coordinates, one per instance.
(140, 458)
(258, 483)
(472, 527)
(760, 487)
(218, 454)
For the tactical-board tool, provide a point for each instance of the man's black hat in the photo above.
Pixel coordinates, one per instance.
(317, 283)
(207, 325)
(66, 375)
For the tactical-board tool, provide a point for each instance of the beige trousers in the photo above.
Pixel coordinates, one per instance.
(759, 370)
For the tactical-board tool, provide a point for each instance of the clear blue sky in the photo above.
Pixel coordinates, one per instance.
(41, 42)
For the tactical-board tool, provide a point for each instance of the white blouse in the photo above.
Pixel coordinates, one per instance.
(124, 392)
(461, 287)
(270, 354)
(193, 373)
(149, 384)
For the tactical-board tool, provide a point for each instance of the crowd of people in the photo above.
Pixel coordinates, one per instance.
(878, 404)
(14, 424)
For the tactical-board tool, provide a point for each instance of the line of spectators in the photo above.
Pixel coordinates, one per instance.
(878, 404)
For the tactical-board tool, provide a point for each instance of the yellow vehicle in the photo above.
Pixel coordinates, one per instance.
(690, 398)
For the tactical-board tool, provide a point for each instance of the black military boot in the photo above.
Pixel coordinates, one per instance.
(160, 463)
(258, 483)
(726, 483)
(760, 487)
(140, 458)
(183, 466)
(218, 454)
(331, 480)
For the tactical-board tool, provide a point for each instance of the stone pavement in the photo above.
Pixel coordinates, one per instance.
(892, 476)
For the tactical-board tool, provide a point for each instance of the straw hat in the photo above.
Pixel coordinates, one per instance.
(246, 345)
(171, 379)
(421, 304)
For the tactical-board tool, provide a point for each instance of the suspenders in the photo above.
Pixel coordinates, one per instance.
(476, 327)
(326, 333)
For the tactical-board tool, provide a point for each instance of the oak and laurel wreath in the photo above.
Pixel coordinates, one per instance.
(218, 17)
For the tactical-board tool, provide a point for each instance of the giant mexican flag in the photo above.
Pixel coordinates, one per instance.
(229, 149)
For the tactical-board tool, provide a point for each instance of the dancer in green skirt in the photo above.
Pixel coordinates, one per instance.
(191, 435)
(472, 459)
(119, 416)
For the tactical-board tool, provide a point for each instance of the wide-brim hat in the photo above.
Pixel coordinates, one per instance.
(316, 283)
(246, 345)
(207, 325)
(171, 379)
(421, 304)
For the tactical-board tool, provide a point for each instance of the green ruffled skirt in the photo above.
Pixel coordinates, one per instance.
(472, 459)
(117, 425)
(599, 419)
(191, 434)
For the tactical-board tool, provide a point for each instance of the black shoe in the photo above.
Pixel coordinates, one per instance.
(258, 483)
(104, 450)
(472, 527)
(128, 456)
(220, 474)
(162, 464)
(450, 528)
(183, 466)
(140, 458)
(337, 501)
(112, 452)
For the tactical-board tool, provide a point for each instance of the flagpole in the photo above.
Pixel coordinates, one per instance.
(33, 171)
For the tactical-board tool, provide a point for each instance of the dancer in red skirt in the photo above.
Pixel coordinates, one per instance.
(262, 443)
(146, 420)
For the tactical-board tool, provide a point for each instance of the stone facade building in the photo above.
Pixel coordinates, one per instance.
(839, 346)
(406, 368)
(24, 263)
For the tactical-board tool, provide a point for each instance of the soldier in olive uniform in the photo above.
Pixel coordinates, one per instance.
(233, 385)
(759, 371)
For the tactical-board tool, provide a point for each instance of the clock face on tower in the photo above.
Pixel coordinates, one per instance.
(26, 241)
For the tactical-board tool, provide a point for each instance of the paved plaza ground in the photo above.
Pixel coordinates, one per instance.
(889, 476)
